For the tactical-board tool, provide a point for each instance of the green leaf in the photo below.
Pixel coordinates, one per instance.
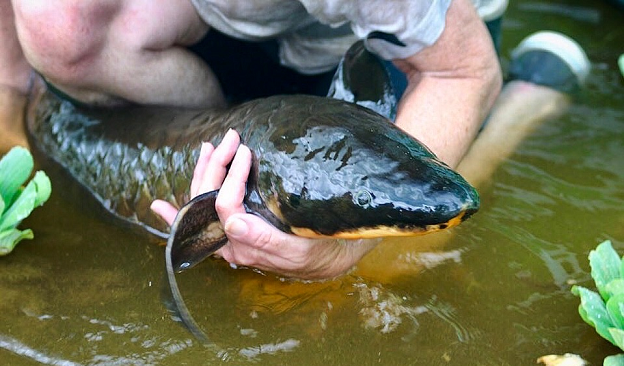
(615, 287)
(17, 203)
(36, 193)
(621, 63)
(10, 238)
(584, 315)
(43, 188)
(605, 266)
(594, 312)
(618, 337)
(617, 360)
(615, 308)
(21, 208)
(622, 269)
(15, 168)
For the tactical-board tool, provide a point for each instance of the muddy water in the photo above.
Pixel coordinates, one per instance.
(494, 291)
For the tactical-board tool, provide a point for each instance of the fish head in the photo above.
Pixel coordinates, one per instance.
(365, 179)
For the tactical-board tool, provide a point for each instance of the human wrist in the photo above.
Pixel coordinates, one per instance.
(347, 254)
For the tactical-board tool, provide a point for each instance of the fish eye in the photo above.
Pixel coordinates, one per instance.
(363, 198)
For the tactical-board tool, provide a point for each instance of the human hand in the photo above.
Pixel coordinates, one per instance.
(252, 241)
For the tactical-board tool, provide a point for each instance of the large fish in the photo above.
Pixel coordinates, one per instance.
(321, 168)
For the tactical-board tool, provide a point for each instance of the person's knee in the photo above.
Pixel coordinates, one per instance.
(61, 39)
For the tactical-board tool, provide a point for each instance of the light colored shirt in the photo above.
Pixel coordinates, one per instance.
(314, 34)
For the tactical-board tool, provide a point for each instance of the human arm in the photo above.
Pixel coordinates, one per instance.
(451, 85)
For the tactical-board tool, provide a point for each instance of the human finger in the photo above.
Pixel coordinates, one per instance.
(256, 243)
(230, 198)
(217, 166)
(248, 237)
(165, 210)
(253, 242)
(200, 168)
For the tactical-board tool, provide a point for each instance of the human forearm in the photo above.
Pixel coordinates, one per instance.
(452, 85)
(446, 113)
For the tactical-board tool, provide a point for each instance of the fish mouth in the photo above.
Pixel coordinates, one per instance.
(381, 231)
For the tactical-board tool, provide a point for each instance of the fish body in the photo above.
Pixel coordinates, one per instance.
(321, 167)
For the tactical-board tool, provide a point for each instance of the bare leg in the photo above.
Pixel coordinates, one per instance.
(111, 51)
(520, 108)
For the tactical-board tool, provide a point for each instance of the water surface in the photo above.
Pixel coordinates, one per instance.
(495, 291)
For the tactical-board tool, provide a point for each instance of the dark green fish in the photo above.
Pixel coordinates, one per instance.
(321, 168)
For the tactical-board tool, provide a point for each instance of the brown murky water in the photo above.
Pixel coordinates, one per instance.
(87, 290)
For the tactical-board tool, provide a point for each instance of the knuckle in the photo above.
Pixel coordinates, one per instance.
(222, 204)
(264, 239)
(244, 260)
(241, 257)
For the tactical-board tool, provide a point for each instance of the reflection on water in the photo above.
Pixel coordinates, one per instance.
(87, 290)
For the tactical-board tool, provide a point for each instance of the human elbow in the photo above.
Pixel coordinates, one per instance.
(491, 78)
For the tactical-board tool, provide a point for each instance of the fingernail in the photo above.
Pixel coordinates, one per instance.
(240, 148)
(236, 227)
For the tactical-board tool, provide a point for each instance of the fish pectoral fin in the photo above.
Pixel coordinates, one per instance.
(196, 232)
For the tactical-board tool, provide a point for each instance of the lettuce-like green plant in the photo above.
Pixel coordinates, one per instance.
(604, 310)
(17, 201)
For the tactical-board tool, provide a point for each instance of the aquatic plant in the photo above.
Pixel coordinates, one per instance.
(605, 310)
(16, 200)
